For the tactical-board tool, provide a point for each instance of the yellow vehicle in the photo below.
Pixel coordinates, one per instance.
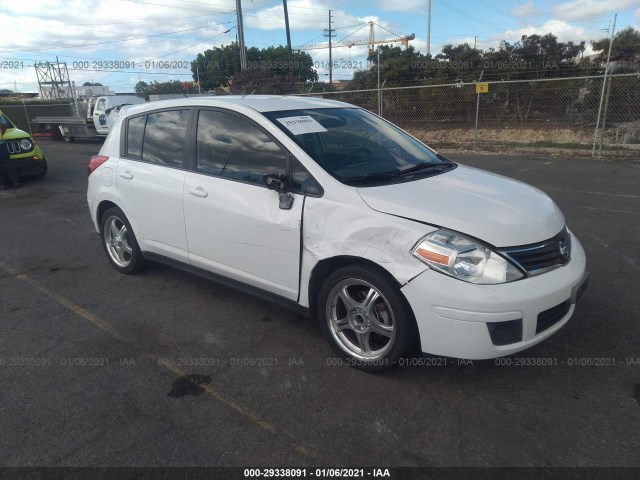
(24, 151)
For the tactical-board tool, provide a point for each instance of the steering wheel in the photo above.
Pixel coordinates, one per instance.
(359, 151)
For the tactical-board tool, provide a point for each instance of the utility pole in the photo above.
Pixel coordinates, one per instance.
(329, 33)
(243, 53)
(286, 25)
(604, 84)
(428, 27)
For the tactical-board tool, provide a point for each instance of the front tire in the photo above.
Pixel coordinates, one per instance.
(119, 242)
(365, 318)
(43, 171)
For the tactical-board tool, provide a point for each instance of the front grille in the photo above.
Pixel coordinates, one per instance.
(14, 147)
(541, 257)
(552, 316)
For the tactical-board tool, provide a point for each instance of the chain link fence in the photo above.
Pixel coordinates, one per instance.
(577, 115)
(548, 115)
(21, 113)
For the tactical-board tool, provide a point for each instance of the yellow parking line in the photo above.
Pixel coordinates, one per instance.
(233, 404)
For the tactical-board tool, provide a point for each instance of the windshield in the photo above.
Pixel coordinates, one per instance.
(4, 121)
(358, 148)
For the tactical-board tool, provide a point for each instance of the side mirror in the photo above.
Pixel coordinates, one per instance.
(279, 184)
(275, 182)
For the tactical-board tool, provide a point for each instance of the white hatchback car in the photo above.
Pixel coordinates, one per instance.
(329, 209)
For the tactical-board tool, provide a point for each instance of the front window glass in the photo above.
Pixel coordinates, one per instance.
(302, 180)
(358, 148)
(229, 146)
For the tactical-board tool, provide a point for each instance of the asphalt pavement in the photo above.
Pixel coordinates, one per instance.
(167, 369)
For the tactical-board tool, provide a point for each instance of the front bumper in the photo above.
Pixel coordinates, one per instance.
(453, 315)
(29, 164)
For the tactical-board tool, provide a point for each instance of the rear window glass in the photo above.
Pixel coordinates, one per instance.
(164, 137)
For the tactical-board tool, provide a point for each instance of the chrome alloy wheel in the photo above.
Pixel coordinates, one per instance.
(116, 239)
(360, 319)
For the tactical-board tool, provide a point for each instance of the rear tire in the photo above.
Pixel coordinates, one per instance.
(366, 319)
(119, 242)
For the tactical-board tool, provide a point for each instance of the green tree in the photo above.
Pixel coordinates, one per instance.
(218, 66)
(625, 48)
(142, 89)
(262, 80)
(398, 67)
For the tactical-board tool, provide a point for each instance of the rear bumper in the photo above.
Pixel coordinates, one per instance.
(453, 316)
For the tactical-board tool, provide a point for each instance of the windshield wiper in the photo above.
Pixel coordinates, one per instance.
(422, 166)
(419, 168)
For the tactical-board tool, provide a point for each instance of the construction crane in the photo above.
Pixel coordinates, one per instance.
(371, 41)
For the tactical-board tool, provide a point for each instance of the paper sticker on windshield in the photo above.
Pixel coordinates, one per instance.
(301, 124)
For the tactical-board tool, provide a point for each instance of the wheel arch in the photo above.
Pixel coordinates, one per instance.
(327, 266)
(103, 206)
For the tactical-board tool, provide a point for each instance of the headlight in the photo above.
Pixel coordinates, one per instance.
(464, 258)
(26, 144)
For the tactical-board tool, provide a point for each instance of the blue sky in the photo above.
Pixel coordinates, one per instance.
(142, 31)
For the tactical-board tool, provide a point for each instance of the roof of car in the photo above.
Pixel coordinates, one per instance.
(261, 103)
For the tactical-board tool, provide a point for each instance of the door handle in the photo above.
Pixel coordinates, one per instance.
(126, 174)
(198, 192)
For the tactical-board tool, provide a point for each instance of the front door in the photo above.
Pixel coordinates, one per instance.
(234, 224)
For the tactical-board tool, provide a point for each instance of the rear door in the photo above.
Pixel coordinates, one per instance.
(150, 180)
(235, 226)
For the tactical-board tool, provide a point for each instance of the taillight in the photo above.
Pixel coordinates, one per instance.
(95, 162)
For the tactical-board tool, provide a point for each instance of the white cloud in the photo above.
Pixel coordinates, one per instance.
(563, 30)
(66, 25)
(523, 10)
(74, 31)
(412, 6)
(583, 9)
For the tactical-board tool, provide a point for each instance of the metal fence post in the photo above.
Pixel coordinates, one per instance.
(604, 84)
(26, 114)
(475, 131)
(604, 113)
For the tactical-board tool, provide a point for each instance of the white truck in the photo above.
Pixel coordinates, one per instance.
(92, 120)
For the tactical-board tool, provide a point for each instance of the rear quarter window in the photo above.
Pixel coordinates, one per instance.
(135, 133)
(158, 137)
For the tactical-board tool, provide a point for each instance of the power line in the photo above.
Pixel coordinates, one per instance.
(193, 45)
(184, 8)
(138, 22)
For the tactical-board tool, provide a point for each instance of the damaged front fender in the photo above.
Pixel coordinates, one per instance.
(339, 229)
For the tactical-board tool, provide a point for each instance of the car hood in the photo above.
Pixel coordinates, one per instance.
(15, 134)
(490, 207)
